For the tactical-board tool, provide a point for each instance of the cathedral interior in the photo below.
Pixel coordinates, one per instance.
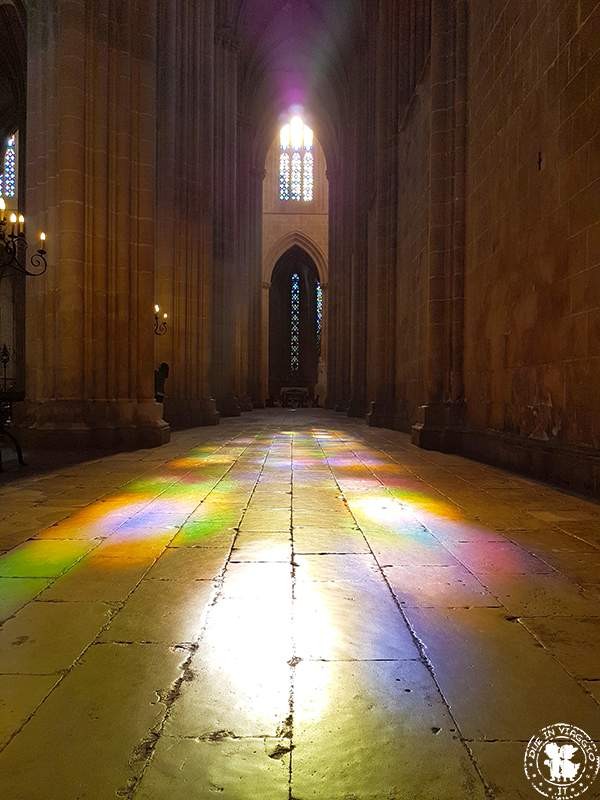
(299, 399)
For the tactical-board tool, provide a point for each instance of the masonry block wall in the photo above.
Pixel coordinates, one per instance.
(532, 327)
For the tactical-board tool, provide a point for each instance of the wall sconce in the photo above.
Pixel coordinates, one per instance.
(13, 245)
(160, 325)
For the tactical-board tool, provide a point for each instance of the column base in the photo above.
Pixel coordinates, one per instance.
(356, 408)
(91, 424)
(380, 415)
(229, 406)
(182, 413)
(245, 402)
(439, 426)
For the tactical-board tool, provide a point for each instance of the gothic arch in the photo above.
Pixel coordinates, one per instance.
(285, 243)
(272, 256)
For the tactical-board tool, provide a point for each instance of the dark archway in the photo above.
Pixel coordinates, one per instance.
(294, 333)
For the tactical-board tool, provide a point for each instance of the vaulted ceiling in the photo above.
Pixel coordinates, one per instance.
(295, 53)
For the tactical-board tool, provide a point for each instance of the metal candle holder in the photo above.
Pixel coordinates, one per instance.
(160, 325)
(14, 245)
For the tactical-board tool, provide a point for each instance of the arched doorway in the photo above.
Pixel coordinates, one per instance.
(295, 324)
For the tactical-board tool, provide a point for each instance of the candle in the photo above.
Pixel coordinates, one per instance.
(42, 240)
(156, 308)
(13, 221)
(21, 223)
(165, 316)
(2, 207)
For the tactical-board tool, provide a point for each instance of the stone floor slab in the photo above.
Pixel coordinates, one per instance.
(99, 578)
(45, 638)
(375, 730)
(438, 587)
(335, 567)
(16, 592)
(321, 540)
(347, 620)
(573, 641)
(20, 695)
(189, 564)
(231, 769)
(269, 545)
(37, 559)
(246, 696)
(501, 764)
(162, 611)
(541, 595)
(500, 683)
(73, 747)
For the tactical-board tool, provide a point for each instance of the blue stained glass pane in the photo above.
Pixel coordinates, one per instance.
(296, 182)
(307, 178)
(319, 292)
(284, 176)
(295, 323)
(8, 180)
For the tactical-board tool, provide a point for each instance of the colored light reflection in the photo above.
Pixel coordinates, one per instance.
(256, 629)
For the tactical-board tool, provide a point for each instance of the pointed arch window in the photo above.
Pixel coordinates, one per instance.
(8, 177)
(296, 161)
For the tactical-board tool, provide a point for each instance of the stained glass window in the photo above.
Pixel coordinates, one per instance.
(295, 323)
(8, 179)
(319, 293)
(296, 163)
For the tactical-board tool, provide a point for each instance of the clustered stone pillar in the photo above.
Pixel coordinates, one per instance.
(254, 266)
(184, 198)
(227, 338)
(441, 416)
(359, 232)
(91, 176)
(382, 262)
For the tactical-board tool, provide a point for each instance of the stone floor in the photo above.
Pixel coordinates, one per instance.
(290, 605)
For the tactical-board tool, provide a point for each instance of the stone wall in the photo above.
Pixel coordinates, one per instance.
(532, 326)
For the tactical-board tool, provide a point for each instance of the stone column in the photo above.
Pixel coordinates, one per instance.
(184, 198)
(91, 186)
(226, 292)
(440, 418)
(255, 384)
(359, 232)
(382, 279)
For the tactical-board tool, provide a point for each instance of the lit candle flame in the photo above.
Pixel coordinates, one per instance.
(156, 308)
